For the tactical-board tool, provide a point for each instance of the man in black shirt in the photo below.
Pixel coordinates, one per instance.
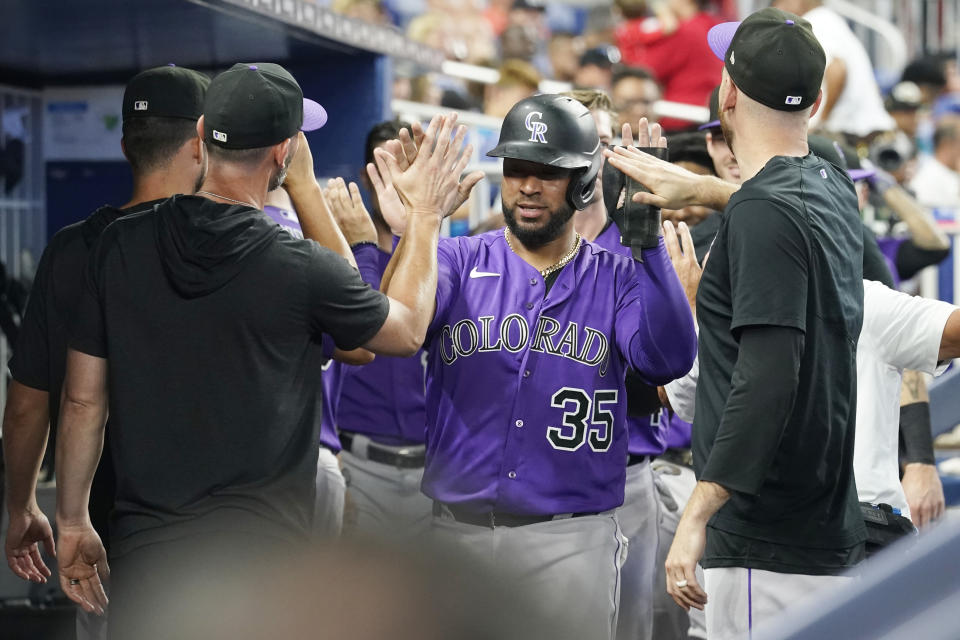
(210, 318)
(160, 109)
(775, 512)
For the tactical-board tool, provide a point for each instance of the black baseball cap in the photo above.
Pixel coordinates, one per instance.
(252, 105)
(905, 96)
(714, 105)
(165, 92)
(773, 57)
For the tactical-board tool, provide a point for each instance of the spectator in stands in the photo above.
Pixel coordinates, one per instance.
(518, 80)
(564, 51)
(518, 42)
(851, 102)
(937, 183)
(928, 74)
(674, 46)
(596, 69)
(634, 91)
(903, 104)
(367, 10)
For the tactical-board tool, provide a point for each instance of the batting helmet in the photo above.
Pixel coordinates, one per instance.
(557, 131)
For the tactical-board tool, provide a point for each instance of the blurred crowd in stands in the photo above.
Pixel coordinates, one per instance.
(640, 52)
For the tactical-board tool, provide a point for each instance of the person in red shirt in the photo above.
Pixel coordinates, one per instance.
(673, 44)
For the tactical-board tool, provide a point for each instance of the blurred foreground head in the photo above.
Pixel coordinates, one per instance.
(355, 590)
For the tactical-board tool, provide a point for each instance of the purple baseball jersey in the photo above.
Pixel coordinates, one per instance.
(677, 431)
(525, 388)
(889, 248)
(647, 434)
(384, 399)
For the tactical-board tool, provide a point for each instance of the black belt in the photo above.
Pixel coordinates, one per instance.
(632, 459)
(498, 518)
(379, 453)
(681, 457)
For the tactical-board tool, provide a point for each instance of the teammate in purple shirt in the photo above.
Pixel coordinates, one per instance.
(533, 331)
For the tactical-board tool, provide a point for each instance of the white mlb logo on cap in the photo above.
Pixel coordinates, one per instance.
(140, 105)
(794, 100)
(219, 135)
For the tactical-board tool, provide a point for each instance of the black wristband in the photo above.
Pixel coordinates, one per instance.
(916, 436)
(642, 222)
(357, 245)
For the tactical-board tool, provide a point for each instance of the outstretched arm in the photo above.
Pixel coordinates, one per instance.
(83, 560)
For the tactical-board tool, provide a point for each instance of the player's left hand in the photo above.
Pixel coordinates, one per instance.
(683, 255)
(681, 564)
(921, 483)
(300, 172)
(348, 210)
(26, 531)
(83, 567)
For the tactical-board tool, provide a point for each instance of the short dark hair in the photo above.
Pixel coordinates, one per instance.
(691, 146)
(247, 157)
(150, 143)
(926, 70)
(640, 73)
(380, 133)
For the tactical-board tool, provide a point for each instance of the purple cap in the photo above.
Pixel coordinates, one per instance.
(720, 37)
(314, 115)
(713, 124)
(861, 174)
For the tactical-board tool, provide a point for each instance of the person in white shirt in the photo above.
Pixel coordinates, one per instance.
(937, 182)
(851, 98)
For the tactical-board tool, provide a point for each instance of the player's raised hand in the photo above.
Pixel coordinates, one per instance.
(300, 172)
(410, 142)
(432, 184)
(683, 255)
(647, 135)
(348, 210)
(25, 533)
(671, 186)
(391, 207)
(83, 567)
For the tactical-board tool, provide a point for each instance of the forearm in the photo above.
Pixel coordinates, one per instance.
(413, 280)
(79, 445)
(706, 500)
(923, 228)
(712, 192)
(763, 392)
(916, 436)
(26, 426)
(665, 342)
(316, 220)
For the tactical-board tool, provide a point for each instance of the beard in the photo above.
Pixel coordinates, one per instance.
(543, 235)
(202, 175)
(727, 131)
(280, 175)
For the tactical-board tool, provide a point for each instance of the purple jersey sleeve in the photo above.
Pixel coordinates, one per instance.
(331, 380)
(654, 326)
(889, 248)
(677, 431)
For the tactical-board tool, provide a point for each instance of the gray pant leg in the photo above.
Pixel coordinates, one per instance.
(328, 512)
(385, 501)
(90, 626)
(570, 567)
(639, 518)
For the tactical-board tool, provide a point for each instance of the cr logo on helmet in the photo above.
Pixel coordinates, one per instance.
(536, 127)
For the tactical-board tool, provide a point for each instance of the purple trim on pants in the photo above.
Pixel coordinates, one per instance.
(750, 602)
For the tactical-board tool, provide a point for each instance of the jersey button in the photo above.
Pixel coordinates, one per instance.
(512, 475)
(533, 281)
(519, 423)
(529, 305)
(526, 374)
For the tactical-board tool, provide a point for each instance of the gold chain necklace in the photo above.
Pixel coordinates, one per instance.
(556, 267)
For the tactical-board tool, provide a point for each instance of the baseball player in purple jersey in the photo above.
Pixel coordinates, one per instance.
(533, 331)
(639, 516)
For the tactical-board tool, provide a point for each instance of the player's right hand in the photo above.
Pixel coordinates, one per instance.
(683, 256)
(348, 210)
(300, 172)
(431, 183)
(26, 531)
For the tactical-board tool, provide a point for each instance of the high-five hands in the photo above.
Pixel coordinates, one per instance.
(421, 174)
(348, 210)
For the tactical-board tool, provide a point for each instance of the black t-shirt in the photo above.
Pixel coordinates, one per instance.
(211, 320)
(788, 254)
(39, 357)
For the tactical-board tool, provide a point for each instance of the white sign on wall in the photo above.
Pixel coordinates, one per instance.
(82, 123)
